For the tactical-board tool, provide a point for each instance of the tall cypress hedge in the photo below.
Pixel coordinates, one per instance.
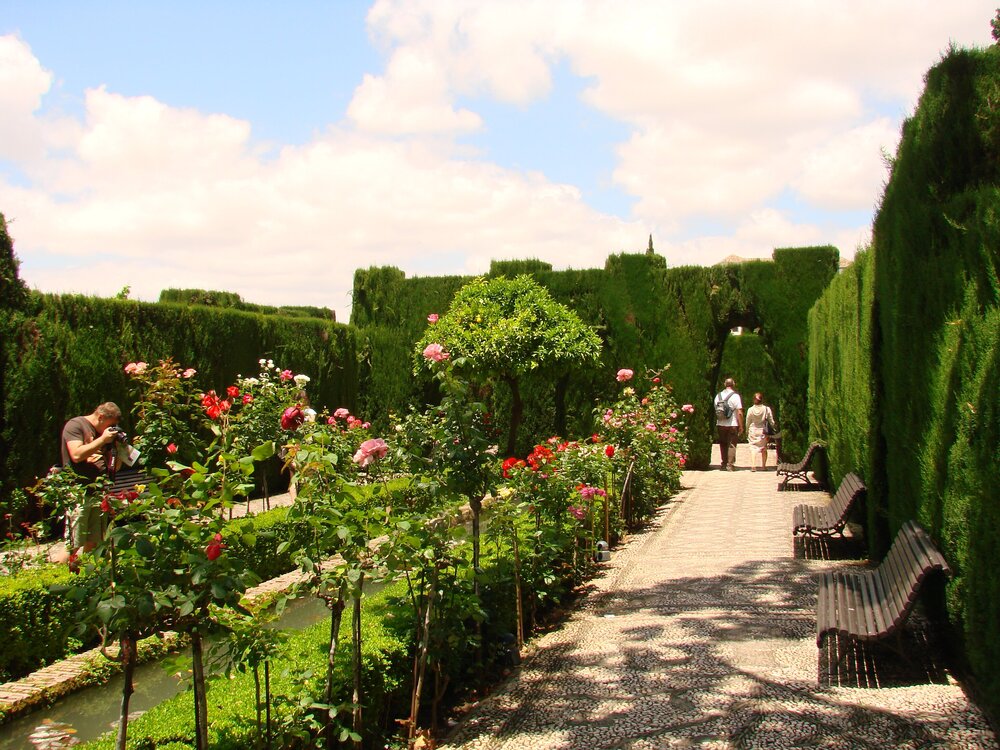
(647, 315)
(64, 354)
(928, 305)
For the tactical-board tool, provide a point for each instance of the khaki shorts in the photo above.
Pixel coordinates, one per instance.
(85, 524)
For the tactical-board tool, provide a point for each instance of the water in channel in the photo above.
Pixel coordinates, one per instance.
(88, 713)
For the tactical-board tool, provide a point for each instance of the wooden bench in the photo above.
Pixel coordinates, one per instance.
(801, 469)
(829, 520)
(873, 604)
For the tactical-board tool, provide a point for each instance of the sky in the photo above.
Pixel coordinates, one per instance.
(271, 149)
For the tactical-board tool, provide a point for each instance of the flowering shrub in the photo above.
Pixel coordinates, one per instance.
(167, 413)
(647, 440)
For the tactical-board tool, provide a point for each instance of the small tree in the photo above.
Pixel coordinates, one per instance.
(508, 328)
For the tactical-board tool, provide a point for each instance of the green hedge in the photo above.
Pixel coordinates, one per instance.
(645, 314)
(37, 624)
(66, 354)
(232, 300)
(928, 305)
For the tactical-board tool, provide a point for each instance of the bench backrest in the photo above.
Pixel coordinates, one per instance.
(851, 488)
(911, 559)
(813, 447)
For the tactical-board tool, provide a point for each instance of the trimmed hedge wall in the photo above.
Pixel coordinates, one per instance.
(646, 315)
(235, 301)
(65, 354)
(927, 305)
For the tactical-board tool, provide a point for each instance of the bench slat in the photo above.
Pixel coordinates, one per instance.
(872, 604)
(826, 520)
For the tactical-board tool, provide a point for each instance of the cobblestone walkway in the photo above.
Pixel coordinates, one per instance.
(701, 633)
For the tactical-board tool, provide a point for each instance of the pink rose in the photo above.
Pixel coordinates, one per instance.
(624, 374)
(687, 408)
(433, 318)
(341, 413)
(189, 373)
(370, 450)
(247, 398)
(286, 375)
(435, 352)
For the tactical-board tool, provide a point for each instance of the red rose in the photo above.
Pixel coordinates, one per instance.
(247, 398)
(509, 464)
(232, 391)
(172, 448)
(609, 451)
(215, 547)
(292, 418)
(105, 506)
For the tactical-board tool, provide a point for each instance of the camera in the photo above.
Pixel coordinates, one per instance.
(120, 435)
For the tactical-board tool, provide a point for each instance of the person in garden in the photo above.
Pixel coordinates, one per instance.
(729, 422)
(85, 446)
(758, 417)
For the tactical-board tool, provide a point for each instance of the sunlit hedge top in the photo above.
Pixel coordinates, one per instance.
(512, 326)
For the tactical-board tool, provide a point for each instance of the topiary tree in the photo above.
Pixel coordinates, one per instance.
(508, 328)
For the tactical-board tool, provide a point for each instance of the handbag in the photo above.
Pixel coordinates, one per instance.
(769, 427)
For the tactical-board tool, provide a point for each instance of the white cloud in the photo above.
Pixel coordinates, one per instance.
(23, 82)
(840, 173)
(728, 107)
(154, 197)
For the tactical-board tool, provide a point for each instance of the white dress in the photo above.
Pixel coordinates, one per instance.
(756, 417)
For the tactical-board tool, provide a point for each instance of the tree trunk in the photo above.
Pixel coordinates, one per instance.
(257, 704)
(336, 613)
(127, 656)
(516, 412)
(267, 700)
(519, 631)
(356, 631)
(562, 383)
(200, 698)
(476, 503)
(421, 666)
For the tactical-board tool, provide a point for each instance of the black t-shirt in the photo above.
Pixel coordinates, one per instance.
(80, 428)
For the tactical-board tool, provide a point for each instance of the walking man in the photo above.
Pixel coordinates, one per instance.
(729, 422)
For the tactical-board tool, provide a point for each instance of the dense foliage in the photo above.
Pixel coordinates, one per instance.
(65, 354)
(918, 317)
(644, 313)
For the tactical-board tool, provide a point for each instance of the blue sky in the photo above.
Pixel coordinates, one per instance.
(272, 149)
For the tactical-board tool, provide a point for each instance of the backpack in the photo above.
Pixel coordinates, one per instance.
(722, 408)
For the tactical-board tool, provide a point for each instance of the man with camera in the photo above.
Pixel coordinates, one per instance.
(88, 445)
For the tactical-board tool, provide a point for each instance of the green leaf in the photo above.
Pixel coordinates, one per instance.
(145, 547)
(263, 452)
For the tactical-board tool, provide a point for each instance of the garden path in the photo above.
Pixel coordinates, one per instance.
(701, 633)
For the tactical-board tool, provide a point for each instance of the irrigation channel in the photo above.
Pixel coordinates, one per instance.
(89, 712)
(92, 711)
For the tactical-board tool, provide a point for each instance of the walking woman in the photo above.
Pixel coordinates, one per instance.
(757, 417)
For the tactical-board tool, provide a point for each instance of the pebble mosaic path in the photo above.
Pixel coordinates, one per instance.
(701, 634)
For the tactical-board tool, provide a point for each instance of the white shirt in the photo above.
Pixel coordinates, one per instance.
(734, 403)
